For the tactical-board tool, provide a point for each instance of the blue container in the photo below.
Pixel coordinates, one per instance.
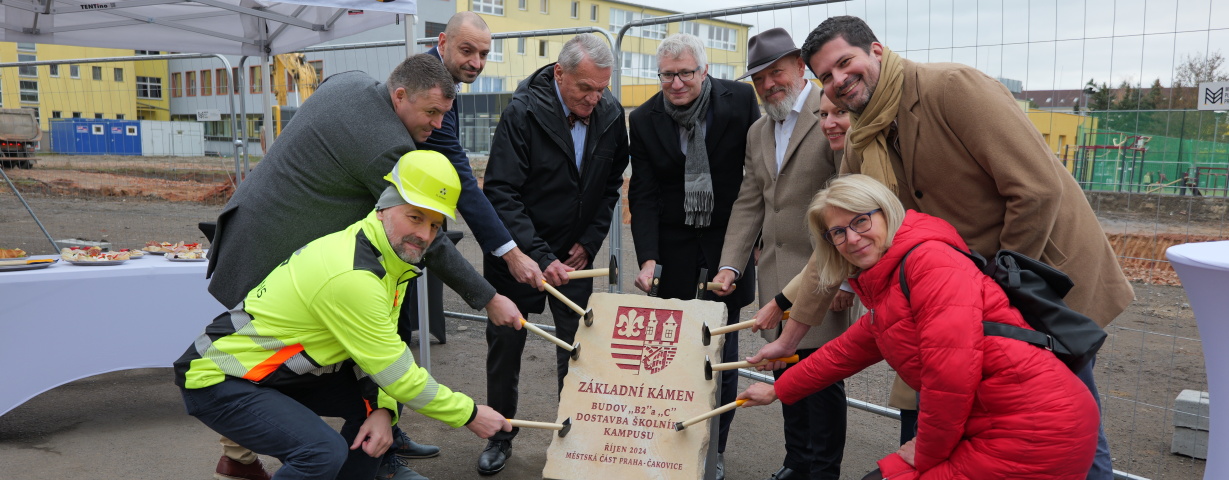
(123, 137)
(79, 136)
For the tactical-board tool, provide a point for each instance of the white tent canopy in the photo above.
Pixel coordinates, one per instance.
(234, 27)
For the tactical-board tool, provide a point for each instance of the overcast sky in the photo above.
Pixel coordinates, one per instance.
(1044, 43)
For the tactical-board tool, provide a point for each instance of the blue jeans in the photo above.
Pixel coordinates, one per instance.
(1102, 463)
(285, 423)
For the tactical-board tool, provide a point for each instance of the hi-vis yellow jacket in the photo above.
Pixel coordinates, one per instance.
(334, 300)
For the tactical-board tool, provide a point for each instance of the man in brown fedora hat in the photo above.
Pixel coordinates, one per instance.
(788, 160)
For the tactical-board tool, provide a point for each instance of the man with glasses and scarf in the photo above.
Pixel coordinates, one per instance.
(687, 146)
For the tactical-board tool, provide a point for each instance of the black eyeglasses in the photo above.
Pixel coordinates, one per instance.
(859, 224)
(686, 75)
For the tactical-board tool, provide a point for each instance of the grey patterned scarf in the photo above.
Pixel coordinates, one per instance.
(698, 184)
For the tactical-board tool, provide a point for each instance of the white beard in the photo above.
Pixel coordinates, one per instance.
(779, 111)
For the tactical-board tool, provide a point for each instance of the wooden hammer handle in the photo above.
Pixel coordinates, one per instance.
(542, 333)
(744, 364)
(590, 273)
(529, 424)
(716, 286)
(566, 301)
(732, 328)
(717, 411)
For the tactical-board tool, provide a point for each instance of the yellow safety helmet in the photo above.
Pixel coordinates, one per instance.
(426, 179)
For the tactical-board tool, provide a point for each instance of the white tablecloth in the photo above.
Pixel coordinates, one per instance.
(68, 322)
(1204, 270)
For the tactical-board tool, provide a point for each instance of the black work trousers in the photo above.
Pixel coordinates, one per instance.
(815, 430)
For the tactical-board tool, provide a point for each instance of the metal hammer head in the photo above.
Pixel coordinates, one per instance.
(588, 317)
(655, 281)
(567, 427)
(575, 350)
(705, 335)
(678, 426)
(708, 368)
(700, 284)
(613, 266)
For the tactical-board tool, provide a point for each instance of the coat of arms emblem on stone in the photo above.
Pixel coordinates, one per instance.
(645, 339)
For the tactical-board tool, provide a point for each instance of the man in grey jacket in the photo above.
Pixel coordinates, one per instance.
(325, 172)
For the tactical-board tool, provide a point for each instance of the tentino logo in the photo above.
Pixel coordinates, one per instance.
(443, 191)
(645, 339)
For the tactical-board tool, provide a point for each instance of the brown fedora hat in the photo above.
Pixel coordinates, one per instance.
(767, 47)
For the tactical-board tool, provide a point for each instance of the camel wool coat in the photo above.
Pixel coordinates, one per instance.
(984, 168)
(776, 204)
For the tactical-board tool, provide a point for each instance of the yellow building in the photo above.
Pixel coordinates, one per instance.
(113, 90)
(1061, 131)
(513, 59)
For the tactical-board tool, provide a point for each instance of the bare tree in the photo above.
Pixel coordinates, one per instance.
(1193, 70)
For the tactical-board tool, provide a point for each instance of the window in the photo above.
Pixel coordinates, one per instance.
(97, 73)
(690, 28)
(255, 79)
(522, 4)
(146, 52)
(189, 84)
(318, 65)
(497, 51)
(206, 83)
(721, 71)
(223, 80)
(53, 70)
(149, 87)
(542, 6)
(76, 114)
(487, 85)
(520, 46)
(98, 116)
(639, 65)
(491, 7)
(542, 48)
(119, 74)
(722, 38)
(29, 47)
(434, 29)
(575, 9)
(28, 90)
(619, 18)
(176, 89)
(119, 116)
(74, 71)
(55, 114)
(30, 70)
(593, 12)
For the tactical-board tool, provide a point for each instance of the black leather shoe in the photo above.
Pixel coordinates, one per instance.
(406, 448)
(493, 457)
(720, 466)
(786, 473)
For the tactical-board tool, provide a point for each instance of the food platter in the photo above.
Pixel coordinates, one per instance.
(30, 265)
(96, 263)
(173, 258)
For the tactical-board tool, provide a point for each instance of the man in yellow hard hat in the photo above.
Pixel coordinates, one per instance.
(318, 337)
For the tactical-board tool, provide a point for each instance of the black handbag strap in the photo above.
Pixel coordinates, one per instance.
(993, 328)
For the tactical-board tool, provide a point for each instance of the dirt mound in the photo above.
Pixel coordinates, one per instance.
(83, 183)
(1136, 253)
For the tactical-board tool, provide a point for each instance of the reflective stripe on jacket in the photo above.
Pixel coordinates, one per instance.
(333, 300)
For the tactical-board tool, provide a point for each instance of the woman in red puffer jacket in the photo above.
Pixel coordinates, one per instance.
(990, 407)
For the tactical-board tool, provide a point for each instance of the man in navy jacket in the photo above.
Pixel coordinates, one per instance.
(463, 48)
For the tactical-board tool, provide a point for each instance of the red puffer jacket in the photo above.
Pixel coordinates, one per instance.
(991, 407)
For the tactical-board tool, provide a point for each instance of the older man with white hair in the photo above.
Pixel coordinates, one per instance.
(687, 147)
(556, 165)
